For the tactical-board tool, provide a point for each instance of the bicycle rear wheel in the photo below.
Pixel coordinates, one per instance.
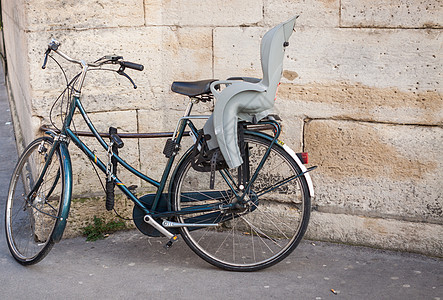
(253, 235)
(31, 217)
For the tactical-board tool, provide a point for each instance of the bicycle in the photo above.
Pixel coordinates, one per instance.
(251, 218)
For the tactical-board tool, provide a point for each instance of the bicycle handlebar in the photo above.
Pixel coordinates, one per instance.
(54, 45)
(109, 59)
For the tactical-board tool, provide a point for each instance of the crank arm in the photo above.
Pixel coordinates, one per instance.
(170, 224)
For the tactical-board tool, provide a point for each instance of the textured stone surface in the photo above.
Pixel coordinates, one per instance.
(409, 60)
(292, 126)
(83, 211)
(359, 102)
(370, 169)
(377, 232)
(237, 52)
(151, 150)
(381, 13)
(83, 14)
(13, 17)
(203, 13)
(168, 54)
(317, 13)
(152, 159)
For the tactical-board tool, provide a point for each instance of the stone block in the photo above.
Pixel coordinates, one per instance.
(377, 170)
(168, 54)
(292, 126)
(237, 52)
(152, 160)
(18, 85)
(14, 10)
(359, 102)
(317, 13)
(391, 14)
(423, 238)
(203, 13)
(43, 15)
(403, 59)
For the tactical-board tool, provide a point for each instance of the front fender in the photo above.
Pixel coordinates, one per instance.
(67, 193)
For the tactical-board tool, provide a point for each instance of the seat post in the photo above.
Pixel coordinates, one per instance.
(190, 105)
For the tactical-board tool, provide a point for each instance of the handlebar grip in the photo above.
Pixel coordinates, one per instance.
(131, 65)
(109, 194)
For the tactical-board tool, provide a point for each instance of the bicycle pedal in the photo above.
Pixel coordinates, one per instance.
(171, 148)
(171, 241)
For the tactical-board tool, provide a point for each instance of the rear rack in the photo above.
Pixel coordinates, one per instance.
(151, 135)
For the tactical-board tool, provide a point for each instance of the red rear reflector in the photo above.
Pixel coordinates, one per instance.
(303, 156)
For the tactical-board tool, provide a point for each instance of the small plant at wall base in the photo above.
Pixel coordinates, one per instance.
(99, 228)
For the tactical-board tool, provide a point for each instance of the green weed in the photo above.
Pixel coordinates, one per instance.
(99, 228)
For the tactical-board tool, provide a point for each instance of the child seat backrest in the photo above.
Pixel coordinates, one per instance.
(249, 100)
(272, 54)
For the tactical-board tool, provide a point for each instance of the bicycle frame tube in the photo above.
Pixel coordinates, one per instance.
(160, 185)
(185, 121)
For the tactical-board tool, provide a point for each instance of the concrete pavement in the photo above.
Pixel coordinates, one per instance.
(128, 265)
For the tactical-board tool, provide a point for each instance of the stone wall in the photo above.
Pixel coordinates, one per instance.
(361, 91)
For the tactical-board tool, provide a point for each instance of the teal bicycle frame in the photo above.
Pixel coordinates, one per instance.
(61, 141)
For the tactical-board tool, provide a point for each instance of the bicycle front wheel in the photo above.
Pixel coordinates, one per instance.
(252, 234)
(33, 205)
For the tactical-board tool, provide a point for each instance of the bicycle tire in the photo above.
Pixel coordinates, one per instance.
(30, 223)
(250, 238)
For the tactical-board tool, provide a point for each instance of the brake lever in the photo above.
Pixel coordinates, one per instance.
(53, 45)
(46, 58)
(121, 72)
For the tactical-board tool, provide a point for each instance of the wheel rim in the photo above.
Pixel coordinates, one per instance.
(260, 235)
(30, 221)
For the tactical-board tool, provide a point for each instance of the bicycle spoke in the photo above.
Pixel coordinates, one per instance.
(270, 217)
(260, 232)
(30, 222)
(255, 232)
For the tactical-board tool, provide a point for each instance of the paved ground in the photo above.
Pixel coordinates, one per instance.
(129, 264)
